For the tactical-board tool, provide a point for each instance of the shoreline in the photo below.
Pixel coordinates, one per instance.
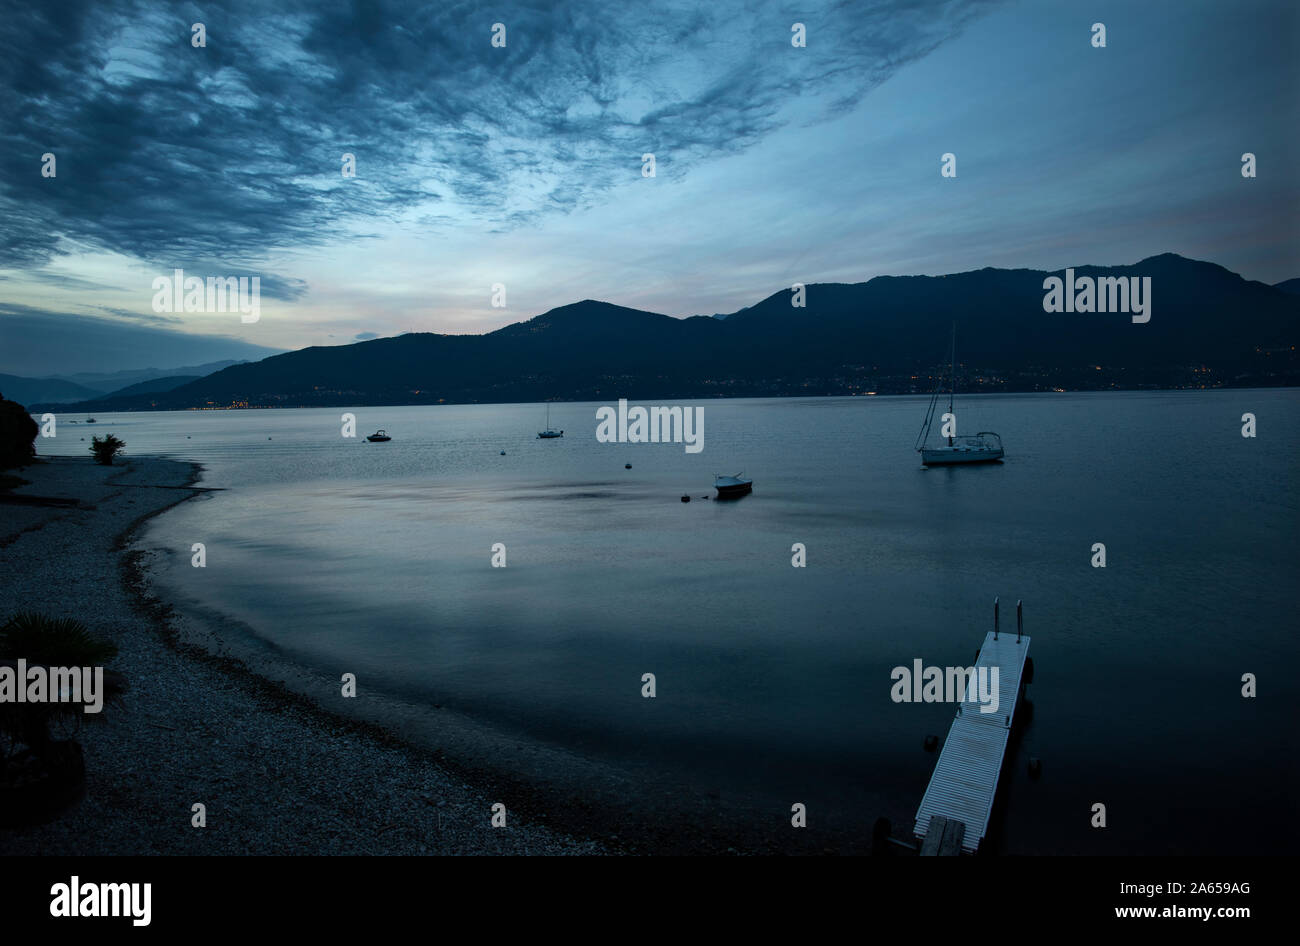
(630, 810)
(278, 773)
(81, 407)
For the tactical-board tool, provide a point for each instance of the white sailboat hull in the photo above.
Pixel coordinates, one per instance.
(984, 447)
(936, 456)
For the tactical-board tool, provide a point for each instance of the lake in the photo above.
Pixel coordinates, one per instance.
(328, 555)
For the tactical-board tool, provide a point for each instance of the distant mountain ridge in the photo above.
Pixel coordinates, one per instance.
(155, 385)
(115, 381)
(92, 387)
(44, 390)
(1209, 327)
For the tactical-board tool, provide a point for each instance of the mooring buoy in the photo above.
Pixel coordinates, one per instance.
(627, 466)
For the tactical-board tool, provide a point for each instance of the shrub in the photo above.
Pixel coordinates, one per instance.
(62, 642)
(17, 435)
(105, 448)
(50, 642)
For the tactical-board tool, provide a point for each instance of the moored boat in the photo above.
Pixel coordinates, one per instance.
(548, 433)
(379, 436)
(732, 486)
(984, 447)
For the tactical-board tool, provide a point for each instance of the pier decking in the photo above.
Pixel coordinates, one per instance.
(965, 779)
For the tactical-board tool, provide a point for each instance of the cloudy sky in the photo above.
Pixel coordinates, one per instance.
(522, 165)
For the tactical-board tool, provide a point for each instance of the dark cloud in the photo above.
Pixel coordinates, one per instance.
(149, 318)
(212, 159)
(64, 281)
(272, 286)
(35, 342)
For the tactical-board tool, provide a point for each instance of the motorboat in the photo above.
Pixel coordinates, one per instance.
(732, 486)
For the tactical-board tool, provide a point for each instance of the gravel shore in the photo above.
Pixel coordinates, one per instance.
(276, 774)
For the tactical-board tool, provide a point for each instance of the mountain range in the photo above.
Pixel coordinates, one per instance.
(1208, 327)
(90, 386)
(115, 381)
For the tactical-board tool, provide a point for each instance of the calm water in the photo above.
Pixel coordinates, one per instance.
(336, 555)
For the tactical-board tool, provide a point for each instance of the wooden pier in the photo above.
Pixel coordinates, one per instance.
(955, 809)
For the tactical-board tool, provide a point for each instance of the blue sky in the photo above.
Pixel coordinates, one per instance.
(522, 166)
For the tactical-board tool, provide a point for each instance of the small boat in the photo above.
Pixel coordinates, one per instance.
(90, 420)
(549, 434)
(731, 486)
(379, 436)
(984, 447)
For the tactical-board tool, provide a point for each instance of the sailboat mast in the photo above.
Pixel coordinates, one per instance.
(953, 390)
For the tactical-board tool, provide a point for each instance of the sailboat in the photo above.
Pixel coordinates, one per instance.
(547, 434)
(984, 447)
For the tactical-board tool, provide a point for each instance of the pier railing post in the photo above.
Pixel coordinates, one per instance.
(1020, 621)
(995, 617)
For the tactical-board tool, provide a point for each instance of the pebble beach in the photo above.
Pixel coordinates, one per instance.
(276, 774)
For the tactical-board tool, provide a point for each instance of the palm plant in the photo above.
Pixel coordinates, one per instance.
(106, 448)
(48, 773)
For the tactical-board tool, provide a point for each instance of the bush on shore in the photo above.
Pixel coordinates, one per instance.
(17, 435)
(105, 448)
(42, 768)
